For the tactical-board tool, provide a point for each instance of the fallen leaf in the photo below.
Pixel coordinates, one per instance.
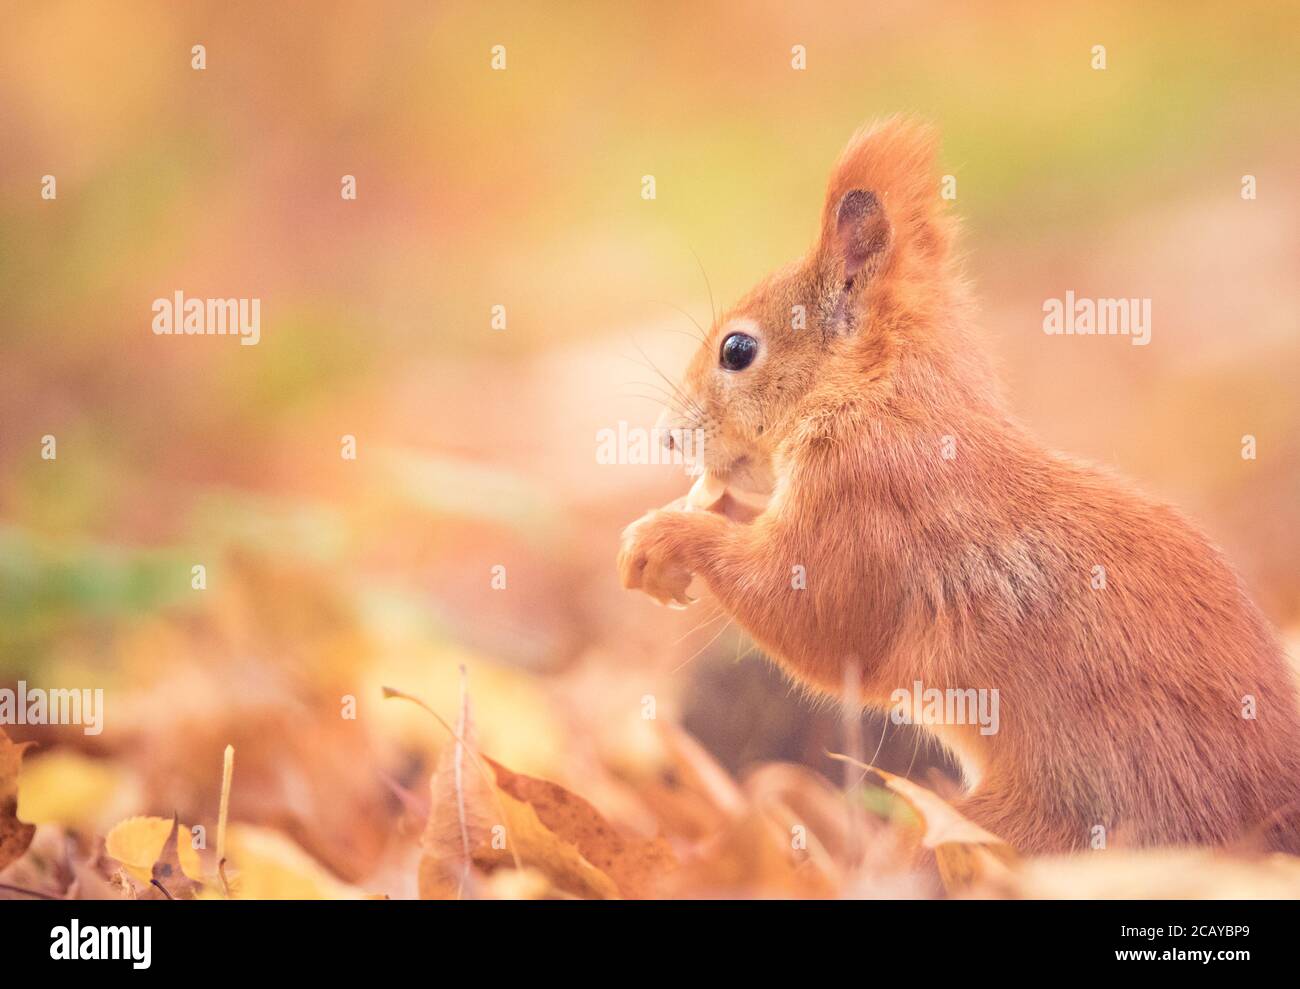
(69, 788)
(156, 848)
(15, 836)
(636, 865)
(266, 865)
(484, 817)
(474, 824)
(965, 852)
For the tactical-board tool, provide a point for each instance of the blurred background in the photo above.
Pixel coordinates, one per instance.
(329, 577)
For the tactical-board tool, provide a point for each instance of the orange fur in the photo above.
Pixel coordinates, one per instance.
(1120, 707)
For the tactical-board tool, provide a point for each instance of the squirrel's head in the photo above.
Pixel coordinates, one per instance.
(882, 248)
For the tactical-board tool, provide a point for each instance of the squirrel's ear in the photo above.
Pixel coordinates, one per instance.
(862, 234)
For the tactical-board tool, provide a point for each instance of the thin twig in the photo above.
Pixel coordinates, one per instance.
(223, 812)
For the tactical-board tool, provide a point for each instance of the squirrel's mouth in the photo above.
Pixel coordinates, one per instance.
(740, 491)
(725, 474)
(749, 476)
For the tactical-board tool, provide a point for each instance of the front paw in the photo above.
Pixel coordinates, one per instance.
(652, 557)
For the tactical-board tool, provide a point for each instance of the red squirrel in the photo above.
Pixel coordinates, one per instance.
(1142, 694)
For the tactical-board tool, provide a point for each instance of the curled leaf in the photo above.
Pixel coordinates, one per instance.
(966, 853)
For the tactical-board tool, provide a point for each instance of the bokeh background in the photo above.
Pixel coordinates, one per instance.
(476, 446)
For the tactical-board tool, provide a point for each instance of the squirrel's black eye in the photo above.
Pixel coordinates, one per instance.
(738, 351)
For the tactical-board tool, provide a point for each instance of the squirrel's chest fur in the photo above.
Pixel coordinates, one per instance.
(1140, 690)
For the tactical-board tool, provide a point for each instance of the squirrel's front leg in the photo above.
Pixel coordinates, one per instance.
(663, 550)
(808, 603)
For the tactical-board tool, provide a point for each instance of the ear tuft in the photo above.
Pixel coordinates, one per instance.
(895, 160)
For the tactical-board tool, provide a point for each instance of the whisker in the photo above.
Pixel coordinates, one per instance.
(686, 400)
(690, 402)
(708, 621)
(915, 749)
(655, 385)
(712, 308)
(677, 669)
(686, 333)
(667, 399)
(704, 334)
(876, 755)
(655, 399)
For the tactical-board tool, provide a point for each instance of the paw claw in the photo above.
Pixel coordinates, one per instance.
(647, 561)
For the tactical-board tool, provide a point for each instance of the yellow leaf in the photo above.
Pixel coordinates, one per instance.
(268, 866)
(66, 787)
(138, 844)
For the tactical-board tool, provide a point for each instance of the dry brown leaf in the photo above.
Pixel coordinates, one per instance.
(636, 865)
(15, 836)
(475, 825)
(484, 817)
